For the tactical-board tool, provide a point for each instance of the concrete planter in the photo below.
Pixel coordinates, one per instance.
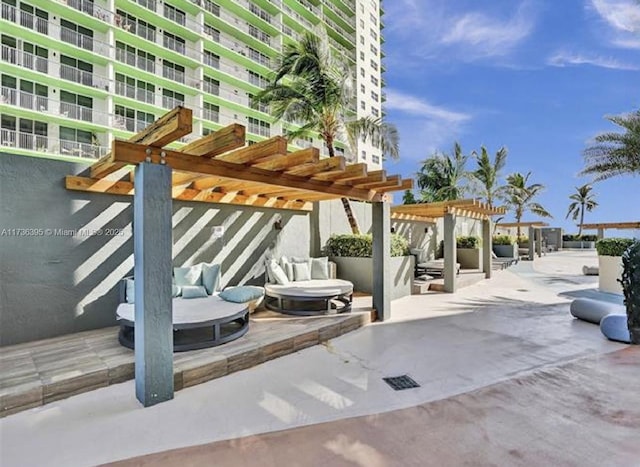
(610, 271)
(579, 245)
(359, 271)
(506, 251)
(469, 258)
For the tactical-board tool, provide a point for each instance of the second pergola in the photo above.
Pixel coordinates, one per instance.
(451, 211)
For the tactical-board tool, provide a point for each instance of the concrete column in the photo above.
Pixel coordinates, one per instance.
(152, 243)
(450, 253)
(600, 233)
(532, 245)
(381, 232)
(539, 243)
(487, 248)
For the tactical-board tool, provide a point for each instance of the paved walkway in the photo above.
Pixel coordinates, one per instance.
(509, 328)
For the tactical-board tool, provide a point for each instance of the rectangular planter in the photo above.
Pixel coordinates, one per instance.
(579, 245)
(469, 258)
(359, 271)
(610, 270)
(506, 251)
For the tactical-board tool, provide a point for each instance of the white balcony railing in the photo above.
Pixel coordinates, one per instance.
(127, 123)
(73, 37)
(133, 92)
(135, 60)
(25, 19)
(171, 43)
(175, 16)
(150, 4)
(211, 115)
(26, 100)
(171, 102)
(47, 144)
(24, 59)
(173, 74)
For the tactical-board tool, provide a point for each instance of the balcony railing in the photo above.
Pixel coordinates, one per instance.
(175, 16)
(133, 92)
(259, 130)
(76, 112)
(171, 43)
(24, 59)
(47, 144)
(211, 115)
(171, 102)
(129, 124)
(150, 4)
(132, 59)
(73, 37)
(24, 99)
(25, 19)
(173, 74)
(76, 75)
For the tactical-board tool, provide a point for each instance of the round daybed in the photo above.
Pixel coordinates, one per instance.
(312, 297)
(197, 322)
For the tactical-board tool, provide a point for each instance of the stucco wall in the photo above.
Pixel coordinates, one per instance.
(57, 284)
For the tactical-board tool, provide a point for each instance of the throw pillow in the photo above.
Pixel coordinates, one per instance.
(211, 277)
(242, 294)
(188, 275)
(175, 290)
(194, 291)
(277, 273)
(287, 267)
(130, 292)
(301, 271)
(320, 268)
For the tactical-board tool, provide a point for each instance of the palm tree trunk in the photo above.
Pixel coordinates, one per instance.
(353, 222)
(581, 219)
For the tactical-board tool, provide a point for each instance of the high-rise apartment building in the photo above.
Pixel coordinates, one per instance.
(78, 73)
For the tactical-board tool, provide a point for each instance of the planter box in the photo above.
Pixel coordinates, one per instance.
(359, 271)
(506, 251)
(469, 258)
(579, 245)
(610, 268)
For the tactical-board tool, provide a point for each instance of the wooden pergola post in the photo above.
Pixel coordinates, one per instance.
(450, 252)
(381, 233)
(152, 244)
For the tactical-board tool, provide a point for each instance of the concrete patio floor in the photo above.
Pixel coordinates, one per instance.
(503, 331)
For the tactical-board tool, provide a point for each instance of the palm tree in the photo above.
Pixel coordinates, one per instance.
(488, 172)
(314, 87)
(520, 196)
(408, 197)
(442, 176)
(582, 199)
(615, 154)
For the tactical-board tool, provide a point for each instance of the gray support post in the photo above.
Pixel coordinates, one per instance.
(532, 244)
(450, 253)
(381, 232)
(600, 233)
(539, 242)
(487, 248)
(152, 244)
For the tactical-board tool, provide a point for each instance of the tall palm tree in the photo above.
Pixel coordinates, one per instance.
(487, 174)
(442, 176)
(520, 196)
(314, 87)
(582, 199)
(615, 154)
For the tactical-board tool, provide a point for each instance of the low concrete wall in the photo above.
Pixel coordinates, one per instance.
(506, 251)
(579, 245)
(469, 258)
(359, 271)
(610, 270)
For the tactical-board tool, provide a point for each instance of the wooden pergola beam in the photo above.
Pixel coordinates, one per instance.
(167, 129)
(537, 224)
(225, 139)
(612, 225)
(248, 154)
(406, 184)
(130, 153)
(371, 177)
(281, 162)
(350, 172)
(325, 165)
(393, 181)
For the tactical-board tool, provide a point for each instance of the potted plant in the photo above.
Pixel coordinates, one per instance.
(630, 282)
(579, 241)
(505, 246)
(469, 252)
(353, 257)
(610, 252)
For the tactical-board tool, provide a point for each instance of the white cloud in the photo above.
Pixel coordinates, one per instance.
(562, 59)
(623, 17)
(413, 105)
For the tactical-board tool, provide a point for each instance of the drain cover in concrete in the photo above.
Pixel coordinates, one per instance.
(398, 383)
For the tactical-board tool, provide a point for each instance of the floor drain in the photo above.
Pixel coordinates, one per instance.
(398, 383)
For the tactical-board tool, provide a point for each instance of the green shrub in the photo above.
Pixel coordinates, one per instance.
(579, 238)
(468, 242)
(361, 246)
(503, 240)
(631, 289)
(613, 246)
(523, 240)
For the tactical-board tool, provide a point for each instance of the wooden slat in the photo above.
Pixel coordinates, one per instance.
(393, 181)
(132, 154)
(281, 162)
(612, 225)
(407, 184)
(372, 177)
(349, 173)
(329, 164)
(184, 194)
(269, 147)
(182, 178)
(168, 128)
(225, 139)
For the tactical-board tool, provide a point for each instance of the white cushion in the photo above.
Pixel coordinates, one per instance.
(211, 277)
(301, 272)
(313, 288)
(188, 275)
(277, 273)
(320, 268)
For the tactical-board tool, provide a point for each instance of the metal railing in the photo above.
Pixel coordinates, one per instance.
(24, 59)
(25, 19)
(24, 99)
(127, 123)
(47, 144)
(173, 74)
(134, 92)
(149, 4)
(173, 44)
(76, 75)
(350, 20)
(211, 115)
(175, 16)
(171, 102)
(73, 37)
(136, 60)
(77, 112)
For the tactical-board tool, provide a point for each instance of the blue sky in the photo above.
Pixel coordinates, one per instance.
(536, 76)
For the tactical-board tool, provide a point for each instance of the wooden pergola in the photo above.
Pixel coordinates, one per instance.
(450, 210)
(602, 226)
(219, 168)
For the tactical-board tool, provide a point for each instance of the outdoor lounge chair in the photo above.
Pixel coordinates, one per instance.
(504, 262)
(434, 267)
